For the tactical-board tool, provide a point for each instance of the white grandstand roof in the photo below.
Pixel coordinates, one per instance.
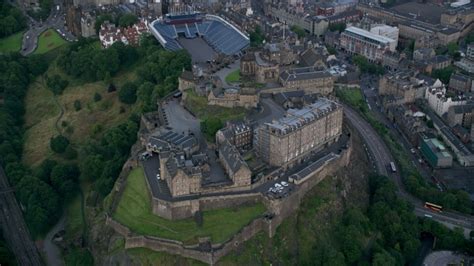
(370, 35)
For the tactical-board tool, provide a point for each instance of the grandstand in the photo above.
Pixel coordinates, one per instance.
(219, 34)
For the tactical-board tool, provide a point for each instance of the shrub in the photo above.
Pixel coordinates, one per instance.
(59, 144)
(97, 97)
(77, 105)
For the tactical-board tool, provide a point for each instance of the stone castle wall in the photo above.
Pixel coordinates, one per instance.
(281, 208)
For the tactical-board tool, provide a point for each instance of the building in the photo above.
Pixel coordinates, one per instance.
(461, 83)
(278, 53)
(402, 84)
(233, 97)
(238, 134)
(372, 46)
(88, 25)
(234, 165)
(309, 79)
(110, 34)
(387, 31)
(439, 101)
(313, 57)
(423, 54)
(73, 20)
(409, 120)
(302, 131)
(435, 153)
(467, 63)
(461, 115)
(253, 65)
(186, 81)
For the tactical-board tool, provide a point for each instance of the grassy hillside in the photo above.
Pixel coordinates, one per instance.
(134, 211)
(48, 115)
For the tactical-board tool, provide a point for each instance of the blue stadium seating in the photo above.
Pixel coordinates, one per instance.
(217, 34)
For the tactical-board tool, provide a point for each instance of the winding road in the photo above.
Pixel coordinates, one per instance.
(382, 157)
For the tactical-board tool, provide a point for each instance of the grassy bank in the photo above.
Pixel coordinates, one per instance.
(233, 76)
(49, 40)
(134, 211)
(11, 43)
(198, 106)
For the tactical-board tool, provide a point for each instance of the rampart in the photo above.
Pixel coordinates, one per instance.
(206, 252)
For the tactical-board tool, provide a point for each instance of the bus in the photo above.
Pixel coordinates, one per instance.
(433, 207)
(392, 167)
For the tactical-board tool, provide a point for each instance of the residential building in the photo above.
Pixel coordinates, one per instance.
(409, 120)
(302, 131)
(461, 115)
(234, 165)
(461, 83)
(238, 134)
(436, 153)
(439, 101)
(423, 54)
(372, 46)
(402, 84)
(309, 79)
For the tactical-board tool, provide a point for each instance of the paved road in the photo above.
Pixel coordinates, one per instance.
(55, 21)
(382, 158)
(14, 228)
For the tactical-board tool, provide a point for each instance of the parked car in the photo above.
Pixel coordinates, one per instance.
(283, 183)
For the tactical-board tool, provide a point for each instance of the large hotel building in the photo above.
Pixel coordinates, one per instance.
(301, 131)
(372, 46)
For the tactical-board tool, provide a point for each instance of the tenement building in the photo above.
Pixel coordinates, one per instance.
(309, 79)
(302, 131)
(370, 45)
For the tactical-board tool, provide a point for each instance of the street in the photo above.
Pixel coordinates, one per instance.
(383, 157)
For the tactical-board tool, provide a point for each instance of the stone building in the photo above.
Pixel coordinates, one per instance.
(233, 97)
(402, 84)
(238, 134)
(252, 65)
(88, 25)
(309, 79)
(186, 81)
(302, 131)
(172, 141)
(410, 122)
(461, 83)
(182, 176)
(234, 165)
(370, 45)
(461, 115)
(313, 57)
(73, 19)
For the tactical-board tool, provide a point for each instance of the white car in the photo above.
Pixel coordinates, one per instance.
(158, 176)
(283, 183)
(277, 185)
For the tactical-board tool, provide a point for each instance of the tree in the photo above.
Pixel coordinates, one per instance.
(59, 144)
(299, 31)
(56, 84)
(256, 37)
(210, 126)
(339, 27)
(64, 179)
(128, 93)
(443, 74)
(77, 105)
(383, 259)
(97, 97)
(127, 20)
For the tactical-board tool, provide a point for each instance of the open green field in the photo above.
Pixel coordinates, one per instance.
(198, 106)
(48, 41)
(11, 43)
(134, 211)
(233, 76)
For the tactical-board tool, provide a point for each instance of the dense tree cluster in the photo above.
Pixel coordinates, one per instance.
(127, 20)
(443, 74)
(210, 126)
(339, 27)
(59, 144)
(366, 67)
(299, 31)
(257, 37)
(11, 19)
(84, 61)
(56, 84)
(40, 199)
(44, 10)
(104, 158)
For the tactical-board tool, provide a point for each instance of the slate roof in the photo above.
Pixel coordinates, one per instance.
(231, 156)
(304, 73)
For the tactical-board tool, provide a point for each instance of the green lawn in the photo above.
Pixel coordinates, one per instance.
(233, 76)
(198, 106)
(11, 43)
(48, 41)
(134, 211)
